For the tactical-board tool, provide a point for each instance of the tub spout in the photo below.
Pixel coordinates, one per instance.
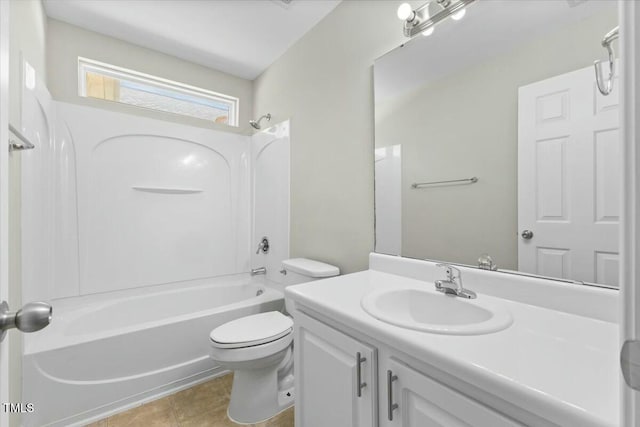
(256, 271)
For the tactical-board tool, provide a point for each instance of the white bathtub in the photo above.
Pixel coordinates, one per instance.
(106, 352)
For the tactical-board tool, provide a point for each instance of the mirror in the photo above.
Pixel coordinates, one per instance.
(499, 142)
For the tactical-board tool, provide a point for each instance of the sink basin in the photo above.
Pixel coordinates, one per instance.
(431, 311)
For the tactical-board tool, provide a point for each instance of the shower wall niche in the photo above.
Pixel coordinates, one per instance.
(114, 201)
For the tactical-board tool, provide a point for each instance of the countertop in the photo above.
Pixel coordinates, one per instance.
(561, 366)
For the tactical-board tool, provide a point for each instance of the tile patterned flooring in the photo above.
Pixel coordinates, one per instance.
(204, 405)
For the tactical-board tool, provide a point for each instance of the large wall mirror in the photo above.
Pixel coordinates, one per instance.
(513, 117)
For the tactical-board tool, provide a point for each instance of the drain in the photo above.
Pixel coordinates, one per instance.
(260, 292)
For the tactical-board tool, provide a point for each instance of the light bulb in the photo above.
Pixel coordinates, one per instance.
(404, 11)
(428, 31)
(459, 15)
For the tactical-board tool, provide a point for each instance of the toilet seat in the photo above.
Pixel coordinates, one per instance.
(252, 330)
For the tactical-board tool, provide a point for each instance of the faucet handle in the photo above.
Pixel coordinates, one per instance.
(454, 278)
(449, 271)
(263, 245)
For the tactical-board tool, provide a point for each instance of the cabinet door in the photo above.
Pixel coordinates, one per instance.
(333, 387)
(412, 399)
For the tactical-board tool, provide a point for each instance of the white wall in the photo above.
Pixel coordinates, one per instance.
(464, 125)
(324, 84)
(66, 42)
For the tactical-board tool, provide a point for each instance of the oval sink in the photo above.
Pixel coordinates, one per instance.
(432, 311)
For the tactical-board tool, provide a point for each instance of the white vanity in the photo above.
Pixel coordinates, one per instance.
(552, 359)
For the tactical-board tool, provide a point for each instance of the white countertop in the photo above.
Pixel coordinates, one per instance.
(561, 366)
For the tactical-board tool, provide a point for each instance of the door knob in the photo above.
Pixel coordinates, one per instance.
(527, 234)
(30, 318)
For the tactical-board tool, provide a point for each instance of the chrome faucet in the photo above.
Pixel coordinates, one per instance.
(485, 262)
(453, 284)
(260, 270)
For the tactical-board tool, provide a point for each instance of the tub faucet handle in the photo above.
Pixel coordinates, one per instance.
(263, 246)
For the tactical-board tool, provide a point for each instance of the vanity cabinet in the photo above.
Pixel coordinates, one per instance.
(335, 376)
(412, 399)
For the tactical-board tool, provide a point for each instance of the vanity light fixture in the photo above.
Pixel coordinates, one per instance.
(423, 19)
(428, 31)
(405, 12)
(459, 15)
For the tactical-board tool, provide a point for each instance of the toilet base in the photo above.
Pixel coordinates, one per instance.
(255, 396)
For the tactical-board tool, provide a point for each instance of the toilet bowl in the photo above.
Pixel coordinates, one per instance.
(259, 349)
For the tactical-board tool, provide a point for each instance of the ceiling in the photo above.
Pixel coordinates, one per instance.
(241, 37)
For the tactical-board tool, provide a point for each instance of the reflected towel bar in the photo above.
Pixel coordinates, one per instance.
(471, 180)
(22, 144)
(167, 190)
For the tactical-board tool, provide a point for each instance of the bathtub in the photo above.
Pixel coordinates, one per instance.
(104, 353)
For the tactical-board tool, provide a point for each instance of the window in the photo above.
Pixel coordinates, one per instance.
(111, 83)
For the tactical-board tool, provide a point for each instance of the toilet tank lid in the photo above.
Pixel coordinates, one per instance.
(310, 268)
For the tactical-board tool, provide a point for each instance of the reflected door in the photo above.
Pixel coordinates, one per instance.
(569, 164)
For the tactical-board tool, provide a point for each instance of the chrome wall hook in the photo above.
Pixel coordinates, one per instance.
(607, 87)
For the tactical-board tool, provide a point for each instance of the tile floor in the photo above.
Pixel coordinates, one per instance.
(204, 405)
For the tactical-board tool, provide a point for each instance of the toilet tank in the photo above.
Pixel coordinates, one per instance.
(302, 270)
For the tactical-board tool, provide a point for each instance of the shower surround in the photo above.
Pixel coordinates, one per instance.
(144, 230)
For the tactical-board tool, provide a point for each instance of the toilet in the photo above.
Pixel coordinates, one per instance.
(259, 349)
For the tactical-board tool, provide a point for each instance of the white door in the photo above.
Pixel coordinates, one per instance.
(569, 175)
(333, 387)
(4, 208)
(411, 399)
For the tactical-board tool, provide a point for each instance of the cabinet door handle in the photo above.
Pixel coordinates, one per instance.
(361, 385)
(391, 406)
